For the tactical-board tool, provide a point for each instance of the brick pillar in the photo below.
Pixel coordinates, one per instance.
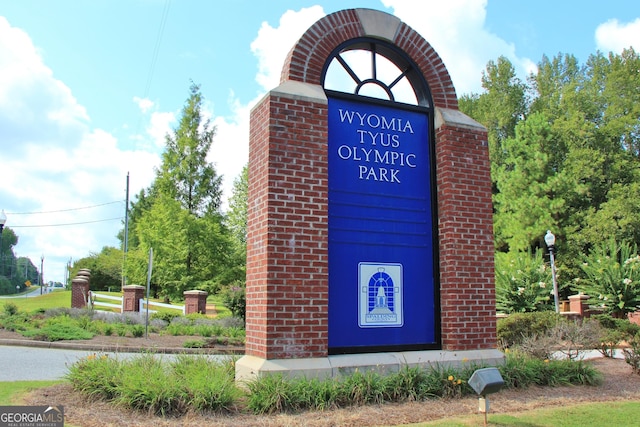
(287, 241)
(195, 302)
(577, 304)
(467, 282)
(79, 292)
(84, 272)
(131, 297)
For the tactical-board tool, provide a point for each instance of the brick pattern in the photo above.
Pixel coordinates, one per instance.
(195, 302)
(465, 227)
(79, 292)
(287, 280)
(287, 292)
(131, 296)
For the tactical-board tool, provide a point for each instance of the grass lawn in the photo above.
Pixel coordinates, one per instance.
(11, 392)
(622, 413)
(45, 301)
(58, 299)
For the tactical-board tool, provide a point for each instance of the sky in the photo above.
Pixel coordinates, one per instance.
(90, 88)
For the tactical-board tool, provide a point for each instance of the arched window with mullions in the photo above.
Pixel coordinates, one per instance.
(382, 252)
(377, 69)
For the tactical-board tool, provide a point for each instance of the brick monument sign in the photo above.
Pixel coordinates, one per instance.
(370, 240)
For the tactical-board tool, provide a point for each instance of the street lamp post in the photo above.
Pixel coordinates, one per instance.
(550, 240)
(3, 221)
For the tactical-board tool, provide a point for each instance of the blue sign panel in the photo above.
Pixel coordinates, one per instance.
(381, 258)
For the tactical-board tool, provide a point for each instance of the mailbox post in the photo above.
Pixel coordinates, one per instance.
(486, 381)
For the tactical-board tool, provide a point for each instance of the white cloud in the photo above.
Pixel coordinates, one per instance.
(33, 104)
(273, 44)
(456, 30)
(270, 47)
(56, 169)
(614, 36)
(145, 104)
(231, 143)
(159, 126)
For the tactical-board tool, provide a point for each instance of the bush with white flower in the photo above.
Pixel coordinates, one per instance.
(612, 278)
(523, 282)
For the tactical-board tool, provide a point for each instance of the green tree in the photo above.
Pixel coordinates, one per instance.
(530, 185)
(7, 257)
(105, 267)
(185, 174)
(567, 158)
(237, 214)
(179, 216)
(500, 108)
(10, 275)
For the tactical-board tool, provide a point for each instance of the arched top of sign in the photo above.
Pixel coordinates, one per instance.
(377, 69)
(388, 41)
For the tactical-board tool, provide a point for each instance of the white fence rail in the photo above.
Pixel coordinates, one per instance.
(94, 300)
(92, 297)
(143, 305)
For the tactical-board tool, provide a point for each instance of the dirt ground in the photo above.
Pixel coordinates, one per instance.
(620, 383)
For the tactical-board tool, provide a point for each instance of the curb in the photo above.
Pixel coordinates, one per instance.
(61, 345)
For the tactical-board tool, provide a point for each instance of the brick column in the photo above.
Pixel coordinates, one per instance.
(195, 302)
(287, 279)
(467, 283)
(79, 292)
(577, 304)
(131, 296)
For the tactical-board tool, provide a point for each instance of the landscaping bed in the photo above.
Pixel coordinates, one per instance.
(619, 383)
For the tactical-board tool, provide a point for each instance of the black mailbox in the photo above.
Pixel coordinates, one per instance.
(486, 381)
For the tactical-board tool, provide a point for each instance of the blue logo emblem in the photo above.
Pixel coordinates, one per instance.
(380, 296)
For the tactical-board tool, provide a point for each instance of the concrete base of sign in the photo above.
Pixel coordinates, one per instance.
(250, 367)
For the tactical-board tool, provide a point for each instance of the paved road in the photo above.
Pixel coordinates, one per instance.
(34, 364)
(36, 292)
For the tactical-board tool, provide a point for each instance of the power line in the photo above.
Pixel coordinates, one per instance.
(64, 225)
(156, 48)
(65, 210)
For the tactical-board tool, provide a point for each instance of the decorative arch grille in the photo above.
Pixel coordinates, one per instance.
(374, 68)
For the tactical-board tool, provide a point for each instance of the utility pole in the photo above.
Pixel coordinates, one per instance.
(125, 243)
(41, 272)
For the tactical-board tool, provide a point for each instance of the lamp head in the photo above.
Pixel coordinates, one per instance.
(549, 239)
(3, 220)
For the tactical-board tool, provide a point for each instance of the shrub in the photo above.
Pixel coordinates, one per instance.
(575, 336)
(58, 332)
(137, 331)
(194, 344)
(230, 322)
(10, 309)
(166, 316)
(612, 280)
(523, 282)
(632, 354)
(614, 331)
(149, 384)
(153, 385)
(623, 325)
(96, 376)
(233, 297)
(512, 329)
